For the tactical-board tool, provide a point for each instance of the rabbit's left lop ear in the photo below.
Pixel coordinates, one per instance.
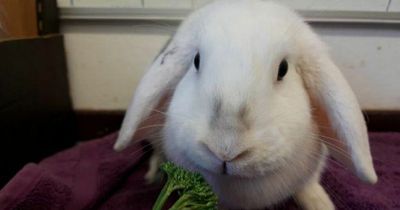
(163, 75)
(326, 84)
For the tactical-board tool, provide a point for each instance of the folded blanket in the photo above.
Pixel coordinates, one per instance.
(92, 176)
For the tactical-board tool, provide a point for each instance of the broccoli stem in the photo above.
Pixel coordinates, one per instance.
(164, 194)
(181, 202)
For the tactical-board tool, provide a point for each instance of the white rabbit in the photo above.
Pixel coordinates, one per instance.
(244, 73)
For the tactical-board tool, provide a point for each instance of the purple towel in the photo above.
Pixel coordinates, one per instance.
(92, 176)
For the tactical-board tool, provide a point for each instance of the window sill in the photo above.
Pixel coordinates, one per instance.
(85, 13)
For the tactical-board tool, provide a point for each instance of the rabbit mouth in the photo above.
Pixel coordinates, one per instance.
(238, 174)
(232, 170)
(243, 169)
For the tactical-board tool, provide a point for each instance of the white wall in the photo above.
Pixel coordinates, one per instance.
(107, 58)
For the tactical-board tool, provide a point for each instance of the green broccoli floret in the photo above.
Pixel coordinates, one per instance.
(194, 192)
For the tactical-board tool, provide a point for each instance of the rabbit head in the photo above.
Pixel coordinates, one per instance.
(243, 74)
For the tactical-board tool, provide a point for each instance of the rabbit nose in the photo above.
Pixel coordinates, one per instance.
(226, 155)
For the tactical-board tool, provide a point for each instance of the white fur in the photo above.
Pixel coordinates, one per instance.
(264, 128)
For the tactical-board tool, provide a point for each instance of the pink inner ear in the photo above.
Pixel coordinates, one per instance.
(337, 148)
(150, 128)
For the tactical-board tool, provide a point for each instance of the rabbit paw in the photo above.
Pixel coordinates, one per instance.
(314, 197)
(153, 174)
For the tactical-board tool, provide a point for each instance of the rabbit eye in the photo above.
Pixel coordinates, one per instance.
(283, 68)
(196, 61)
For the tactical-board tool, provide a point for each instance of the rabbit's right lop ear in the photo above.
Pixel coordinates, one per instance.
(163, 75)
(326, 84)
